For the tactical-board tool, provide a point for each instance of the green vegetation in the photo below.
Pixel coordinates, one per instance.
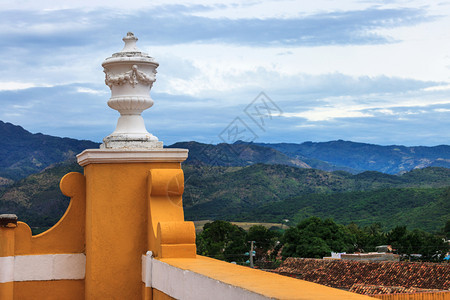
(424, 208)
(222, 240)
(269, 193)
(316, 238)
(272, 193)
(37, 199)
(225, 241)
(244, 225)
(230, 182)
(264, 239)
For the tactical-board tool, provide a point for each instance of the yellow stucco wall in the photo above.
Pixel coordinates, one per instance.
(116, 228)
(158, 295)
(49, 290)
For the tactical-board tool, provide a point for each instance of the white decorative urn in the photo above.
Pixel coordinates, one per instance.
(130, 74)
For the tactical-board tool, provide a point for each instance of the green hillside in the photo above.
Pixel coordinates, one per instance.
(423, 208)
(37, 199)
(271, 193)
(268, 193)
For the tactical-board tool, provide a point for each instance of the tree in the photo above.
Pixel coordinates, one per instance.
(430, 246)
(368, 237)
(264, 239)
(316, 238)
(362, 237)
(446, 229)
(376, 237)
(222, 240)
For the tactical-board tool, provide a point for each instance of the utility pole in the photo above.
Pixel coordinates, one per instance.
(251, 254)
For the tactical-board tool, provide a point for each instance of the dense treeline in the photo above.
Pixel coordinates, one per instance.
(316, 238)
(422, 208)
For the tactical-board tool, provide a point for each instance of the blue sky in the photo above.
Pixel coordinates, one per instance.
(365, 71)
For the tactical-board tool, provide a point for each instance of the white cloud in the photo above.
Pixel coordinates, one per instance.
(14, 86)
(371, 106)
(26, 106)
(442, 110)
(91, 91)
(437, 88)
(385, 111)
(228, 9)
(326, 114)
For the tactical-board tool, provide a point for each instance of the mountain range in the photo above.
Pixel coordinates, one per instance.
(327, 156)
(366, 157)
(347, 181)
(23, 153)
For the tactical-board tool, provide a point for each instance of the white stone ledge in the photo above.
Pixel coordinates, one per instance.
(6, 269)
(42, 267)
(188, 285)
(108, 156)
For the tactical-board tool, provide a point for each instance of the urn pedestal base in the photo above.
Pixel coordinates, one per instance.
(130, 133)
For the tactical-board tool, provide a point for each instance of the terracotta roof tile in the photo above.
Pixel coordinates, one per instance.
(345, 273)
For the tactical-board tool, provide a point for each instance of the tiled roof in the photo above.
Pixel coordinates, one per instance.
(380, 289)
(344, 273)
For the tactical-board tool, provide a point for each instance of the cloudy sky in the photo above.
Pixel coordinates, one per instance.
(365, 71)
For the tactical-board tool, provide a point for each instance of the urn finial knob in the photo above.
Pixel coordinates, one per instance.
(130, 43)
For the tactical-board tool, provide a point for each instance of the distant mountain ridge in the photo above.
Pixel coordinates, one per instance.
(367, 157)
(23, 153)
(248, 181)
(235, 155)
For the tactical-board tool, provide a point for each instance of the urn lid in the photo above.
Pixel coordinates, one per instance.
(130, 53)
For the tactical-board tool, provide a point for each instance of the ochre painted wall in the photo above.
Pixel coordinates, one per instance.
(158, 295)
(49, 290)
(116, 228)
(7, 290)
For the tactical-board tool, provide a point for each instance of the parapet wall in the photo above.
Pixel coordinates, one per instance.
(51, 264)
(140, 249)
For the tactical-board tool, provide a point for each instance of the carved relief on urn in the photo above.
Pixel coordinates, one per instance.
(130, 74)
